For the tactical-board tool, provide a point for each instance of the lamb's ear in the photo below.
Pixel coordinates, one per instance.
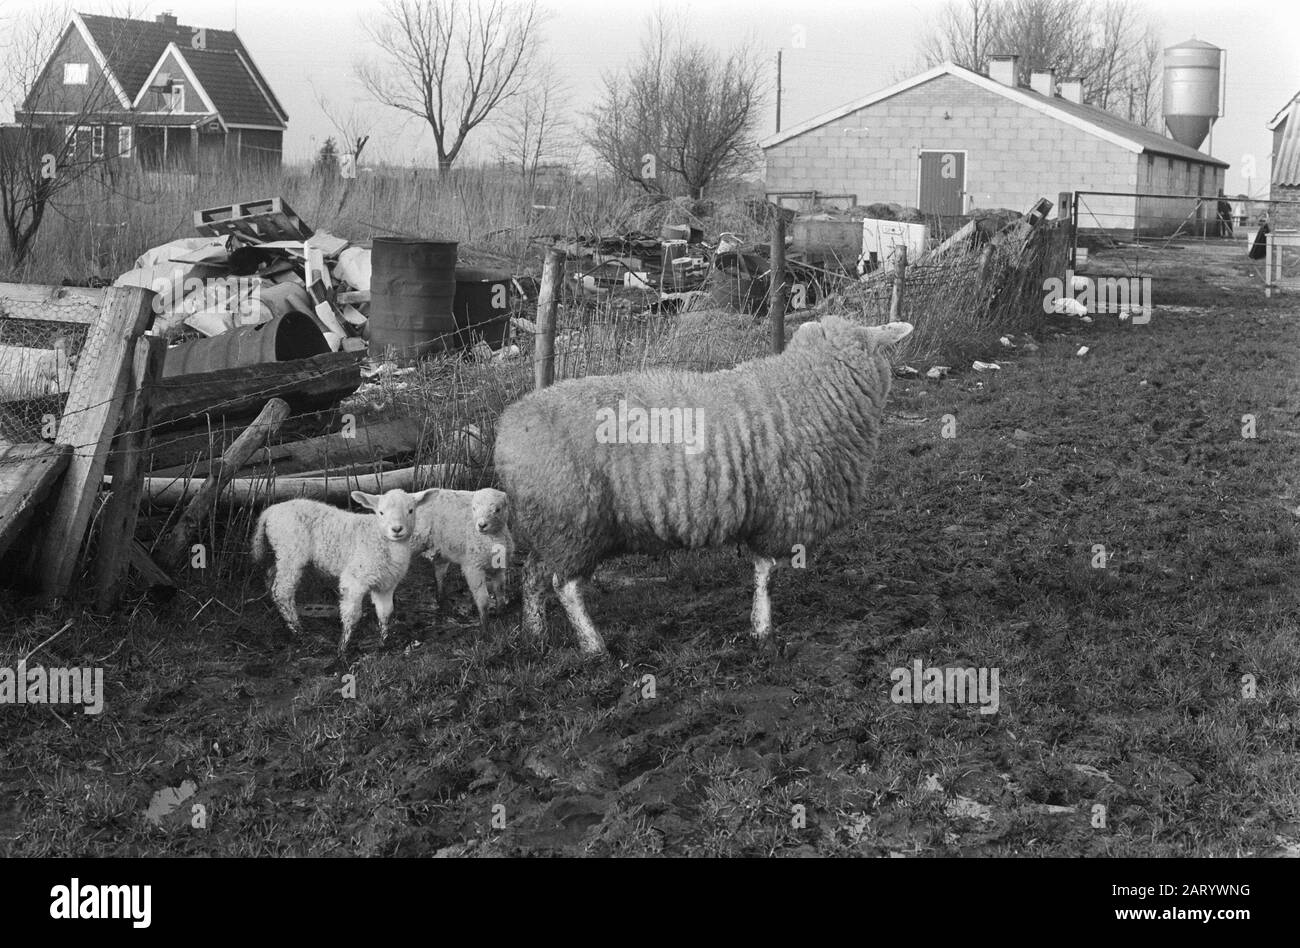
(424, 495)
(370, 501)
(890, 333)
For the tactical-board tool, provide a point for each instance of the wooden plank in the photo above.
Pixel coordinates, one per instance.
(27, 473)
(126, 467)
(90, 418)
(150, 571)
(371, 443)
(176, 546)
(240, 392)
(40, 293)
(79, 312)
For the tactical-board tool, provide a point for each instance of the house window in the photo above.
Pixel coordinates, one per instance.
(124, 142)
(97, 141)
(76, 74)
(175, 99)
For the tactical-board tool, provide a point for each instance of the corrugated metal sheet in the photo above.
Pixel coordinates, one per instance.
(1286, 162)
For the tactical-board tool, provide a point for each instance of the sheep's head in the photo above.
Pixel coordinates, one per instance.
(489, 509)
(395, 510)
(842, 334)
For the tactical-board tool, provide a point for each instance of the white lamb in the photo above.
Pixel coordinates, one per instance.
(468, 528)
(368, 553)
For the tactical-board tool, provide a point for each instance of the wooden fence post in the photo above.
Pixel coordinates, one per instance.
(126, 466)
(90, 418)
(176, 547)
(776, 289)
(548, 299)
(900, 282)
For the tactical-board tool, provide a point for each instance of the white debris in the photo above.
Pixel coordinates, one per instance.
(1006, 341)
(937, 371)
(1083, 351)
(1065, 306)
(985, 366)
(1087, 319)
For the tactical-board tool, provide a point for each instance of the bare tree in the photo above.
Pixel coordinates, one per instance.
(680, 117)
(354, 125)
(1106, 42)
(535, 129)
(58, 137)
(451, 63)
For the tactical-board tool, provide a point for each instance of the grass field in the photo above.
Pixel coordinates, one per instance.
(1121, 688)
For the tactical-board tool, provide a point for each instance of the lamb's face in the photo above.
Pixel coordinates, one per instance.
(395, 510)
(489, 509)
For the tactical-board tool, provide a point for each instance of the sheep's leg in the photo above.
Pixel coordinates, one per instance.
(284, 588)
(352, 597)
(761, 616)
(533, 593)
(440, 567)
(383, 600)
(589, 639)
(477, 583)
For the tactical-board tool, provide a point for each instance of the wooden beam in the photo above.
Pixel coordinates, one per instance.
(332, 488)
(900, 285)
(39, 293)
(90, 418)
(175, 547)
(150, 571)
(235, 393)
(27, 473)
(126, 467)
(776, 286)
(547, 302)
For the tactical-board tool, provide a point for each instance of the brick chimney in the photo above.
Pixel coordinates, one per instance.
(166, 19)
(1003, 69)
(1072, 89)
(1043, 82)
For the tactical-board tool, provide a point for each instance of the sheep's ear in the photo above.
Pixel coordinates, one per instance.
(890, 333)
(423, 495)
(370, 501)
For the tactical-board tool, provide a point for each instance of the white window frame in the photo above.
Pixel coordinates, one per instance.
(97, 134)
(175, 98)
(72, 70)
(125, 141)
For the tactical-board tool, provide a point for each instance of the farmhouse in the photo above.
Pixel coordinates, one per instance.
(157, 92)
(1284, 181)
(950, 140)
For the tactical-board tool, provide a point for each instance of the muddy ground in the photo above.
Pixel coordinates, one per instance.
(1124, 726)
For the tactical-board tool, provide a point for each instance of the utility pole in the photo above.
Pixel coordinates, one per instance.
(778, 90)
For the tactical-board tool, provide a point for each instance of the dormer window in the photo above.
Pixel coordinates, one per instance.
(76, 74)
(174, 99)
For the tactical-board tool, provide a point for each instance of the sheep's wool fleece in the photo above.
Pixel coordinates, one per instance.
(782, 458)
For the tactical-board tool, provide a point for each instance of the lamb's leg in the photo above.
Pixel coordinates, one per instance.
(440, 567)
(352, 597)
(383, 600)
(478, 588)
(589, 639)
(284, 587)
(761, 616)
(533, 593)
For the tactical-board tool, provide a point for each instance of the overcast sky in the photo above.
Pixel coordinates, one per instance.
(852, 48)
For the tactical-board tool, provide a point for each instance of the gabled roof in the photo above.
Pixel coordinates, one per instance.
(133, 49)
(1286, 160)
(1136, 138)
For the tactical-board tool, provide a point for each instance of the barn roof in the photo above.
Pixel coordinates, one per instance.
(1136, 138)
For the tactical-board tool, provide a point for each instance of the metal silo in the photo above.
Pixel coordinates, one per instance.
(1192, 83)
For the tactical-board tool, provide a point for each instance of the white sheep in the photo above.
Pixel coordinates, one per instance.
(468, 528)
(773, 455)
(367, 553)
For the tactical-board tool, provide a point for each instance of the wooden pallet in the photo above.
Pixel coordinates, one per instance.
(255, 221)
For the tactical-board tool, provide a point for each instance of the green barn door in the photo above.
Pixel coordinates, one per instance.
(943, 182)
